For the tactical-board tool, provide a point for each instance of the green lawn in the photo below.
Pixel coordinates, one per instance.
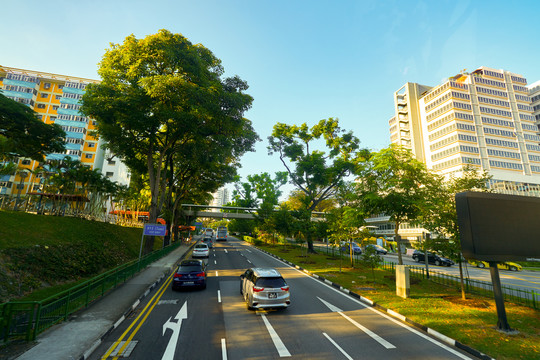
(471, 321)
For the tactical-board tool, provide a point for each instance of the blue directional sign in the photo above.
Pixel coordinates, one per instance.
(154, 230)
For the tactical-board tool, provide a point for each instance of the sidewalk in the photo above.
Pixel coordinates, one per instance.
(76, 338)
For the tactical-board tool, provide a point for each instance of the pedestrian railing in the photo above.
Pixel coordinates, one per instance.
(24, 320)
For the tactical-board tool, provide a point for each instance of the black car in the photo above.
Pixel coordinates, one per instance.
(190, 273)
(378, 249)
(435, 259)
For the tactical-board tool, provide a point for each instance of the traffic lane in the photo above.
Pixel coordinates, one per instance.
(157, 329)
(305, 294)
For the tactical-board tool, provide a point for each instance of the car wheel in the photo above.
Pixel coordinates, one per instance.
(203, 287)
(512, 268)
(437, 262)
(416, 259)
(481, 265)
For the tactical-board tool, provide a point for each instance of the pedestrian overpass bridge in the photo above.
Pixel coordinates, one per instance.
(229, 212)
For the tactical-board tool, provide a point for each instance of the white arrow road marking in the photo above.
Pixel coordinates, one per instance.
(338, 347)
(374, 336)
(175, 327)
(282, 350)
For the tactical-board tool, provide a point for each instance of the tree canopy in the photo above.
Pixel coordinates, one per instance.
(162, 95)
(23, 134)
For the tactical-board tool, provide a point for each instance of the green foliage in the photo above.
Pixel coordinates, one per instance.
(371, 259)
(165, 110)
(22, 134)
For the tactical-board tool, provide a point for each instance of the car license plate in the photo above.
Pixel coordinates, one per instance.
(272, 295)
(189, 282)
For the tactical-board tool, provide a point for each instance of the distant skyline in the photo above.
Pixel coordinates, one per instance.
(303, 60)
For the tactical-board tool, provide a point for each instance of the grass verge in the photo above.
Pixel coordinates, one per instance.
(471, 321)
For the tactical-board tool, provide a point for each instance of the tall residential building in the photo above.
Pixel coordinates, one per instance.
(55, 98)
(482, 119)
(534, 93)
(221, 197)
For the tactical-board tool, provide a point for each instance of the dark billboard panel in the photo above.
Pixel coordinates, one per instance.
(498, 227)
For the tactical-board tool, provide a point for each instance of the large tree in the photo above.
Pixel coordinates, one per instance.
(22, 134)
(160, 93)
(394, 183)
(317, 174)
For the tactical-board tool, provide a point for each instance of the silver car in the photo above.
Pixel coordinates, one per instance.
(264, 288)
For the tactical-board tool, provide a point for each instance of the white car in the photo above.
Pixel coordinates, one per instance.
(201, 250)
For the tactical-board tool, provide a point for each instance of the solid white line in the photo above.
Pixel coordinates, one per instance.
(282, 350)
(218, 296)
(249, 261)
(226, 251)
(395, 321)
(374, 336)
(338, 347)
(223, 349)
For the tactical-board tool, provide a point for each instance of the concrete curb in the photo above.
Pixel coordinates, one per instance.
(443, 338)
(128, 312)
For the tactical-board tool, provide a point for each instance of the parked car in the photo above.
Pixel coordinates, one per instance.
(357, 250)
(378, 249)
(208, 241)
(264, 288)
(201, 250)
(190, 273)
(506, 265)
(418, 255)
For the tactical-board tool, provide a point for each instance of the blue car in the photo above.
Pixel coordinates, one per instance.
(190, 273)
(355, 248)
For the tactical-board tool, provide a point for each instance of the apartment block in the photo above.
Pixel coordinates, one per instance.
(56, 100)
(483, 119)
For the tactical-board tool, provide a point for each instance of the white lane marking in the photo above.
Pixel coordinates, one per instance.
(249, 261)
(338, 347)
(374, 336)
(280, 347)
(217, 273)
(215, 262)
(225, 251)
(175, 327)
(223, 349)
(218, 296)
(397, 322)
(248, 250)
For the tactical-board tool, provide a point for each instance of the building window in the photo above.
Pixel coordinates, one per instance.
(91, 145)
(41, 106)
(55, 108)
(109, 174)
(111, 162)
(26, 162)
(20, 186)
(58, 97)
(47, 85)
(88, 156)
(53, 118)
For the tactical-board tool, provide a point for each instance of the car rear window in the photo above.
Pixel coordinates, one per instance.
(275, 282)
(189, 268)
(204, 246)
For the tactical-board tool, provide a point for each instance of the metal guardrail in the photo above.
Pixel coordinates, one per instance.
(528, 298)
(24, 320)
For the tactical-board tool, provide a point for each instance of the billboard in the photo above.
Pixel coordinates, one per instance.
(499, 227)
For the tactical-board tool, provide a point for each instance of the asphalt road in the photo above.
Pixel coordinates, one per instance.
(321, 323)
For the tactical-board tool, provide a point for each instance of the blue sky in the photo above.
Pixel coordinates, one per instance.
(304, 60)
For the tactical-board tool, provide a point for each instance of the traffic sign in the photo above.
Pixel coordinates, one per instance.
(155, 229)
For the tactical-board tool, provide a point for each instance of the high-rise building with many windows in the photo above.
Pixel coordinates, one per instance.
(482, 119)
(55, 98)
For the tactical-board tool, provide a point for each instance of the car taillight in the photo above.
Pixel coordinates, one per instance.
(177, 275)
(257, 289)
(285, 288)
(200, 274)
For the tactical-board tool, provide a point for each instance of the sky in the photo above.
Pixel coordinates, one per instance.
(304, 60)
